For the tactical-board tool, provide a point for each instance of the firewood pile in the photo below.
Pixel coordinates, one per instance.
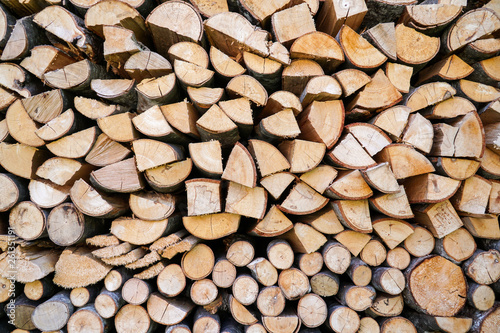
(248, 166)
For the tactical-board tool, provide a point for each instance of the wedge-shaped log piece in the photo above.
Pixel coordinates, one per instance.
(486, 71)
(47, 194)
(76, 76)
(174, 22)
(192, 75)
(472, 196)
(71, 30)
(456, 246)
(21, 126)
(349, 185)
(477, 92)
(78, 268)
(404, 161)
(207, 157)
(381, 178)
(296, 76)
(259, 13)
(34, 264)
(95, 109)
(216, 125)
(265, 70)
(141, 232)
(494, 202)
(324, 220)
(456, 168)
(399, 75)
(419, 133)
(286, 322)
(46, 106)
(247, 86)
(449, 69)
(449, 108)
(470, 27)
(348, 153)
(152, 206)
(354, 214)
(119, 127)
(334, 15)
(302, 155)
(240, 167)
(277, 183)
(182, 116)
(157, 91)
(303, 200)
(224, 66)
(320, 177)
(429, 94)
(431, 17)
(151, 153)
(304, 238)
(203, 196)
(121, 177)
(168, 311)
(393, 120)
(392, 231)
(430, 188)
(118, 91)
(269, 159)
(279, 101)
(246, 201)
(322, 122)
(431, 279)
(378, 94)
(63, 171)
(204, 97)
(415, 48)
(320, 47)
(16, 79)
(14, 191)
(275, 223)
(490, 113)
(484, 227)
(383, 36)
(320, 88)
(440, 218)
(170, 177)
(146, 65)
(212, 226)
(45, 58)
(116, 13)
(21, 160)
(153, 124)
(358, 52)
(371, 138)
(240, 313)
(92, 203)
(354, 241)
(286, 23)
(239, 111)
(119, 45)
(351, 80)
(106, 151)
(232, 33)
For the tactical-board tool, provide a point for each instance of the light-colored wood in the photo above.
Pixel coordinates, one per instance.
(400, 76)
(388, 280)
(271, 301)
(320, 88)
(245, 289)
(198, 263)
(387, 305)
(15, 79)
(456, 246)
(429, 94)
(207, 157)
(383, 36)
(322, 121)
(170, 177)
(449, 108)
(168, 311)
(46, 194)
(302, 155)
(354, 241)
(81, 296)
(45, 58)
(432, 279)
(310, 263)
(247, 86)
(349, 153)
(21, 160)
(312, 310)
(335, 14)
(296, 76)
(157, 91)
(67, 146)
(395, 205)
(115, 90)
(21, 126)
(285, 23)
(449, 69)
(419, 133)
(63, 171)
(355, 297)
(482, 267)
(171, 281)
(153, 124)
(349, 185)
(378, 94)
(371, 138)
(325, 283)
(381, 178)
(240, 252)
(146, 65)
(286, 322)
(456, 168)
(398, 258)
(106, 151)
(54, 313)
(477, 92)
(126, 181)
(133, 318)
(203, 98)
(151, 153)
(359, 272)
(273, 224)
(320, 47)
(415, 48)
(351, 80)
(336, 257)
(429, 188)
(280, 254)
(28, 220)
(224, 273)
(304, 238)
(240, 167)
(354, 214)
(141, 232)
(343, 319)
(302, 200)
(35, 291)
(216, 125)
(440, 218)
(445, 324)
(393, 120)
(405, 161)
(420, 243)
(358, 51)
(93, 203)
(472, 196)
(279, 126)
(204, 196)
(392, 231)
(212, 226)
(266, 274)
(13, 189)
(374, 253)
(269, 159)
(320, 177)
(482, 227)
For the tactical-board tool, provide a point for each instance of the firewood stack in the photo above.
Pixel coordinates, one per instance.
(249, 166)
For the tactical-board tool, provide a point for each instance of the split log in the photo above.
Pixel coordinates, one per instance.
(445, 324)
(392, 231)
(354, 214)
(140, 232)
(400, 76)
(393, 120)
(322, 122)
(354, 241)
(115, 90)
(383, 36)
(169, 178)
(348, 153)
(296, 76)
(207, 157)
(157, 91)
(108, 178)
(106, 151)
(320, 47)
(415, 48)
(351, 80)
(146, 65)
(387, 305)
(15, 79)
